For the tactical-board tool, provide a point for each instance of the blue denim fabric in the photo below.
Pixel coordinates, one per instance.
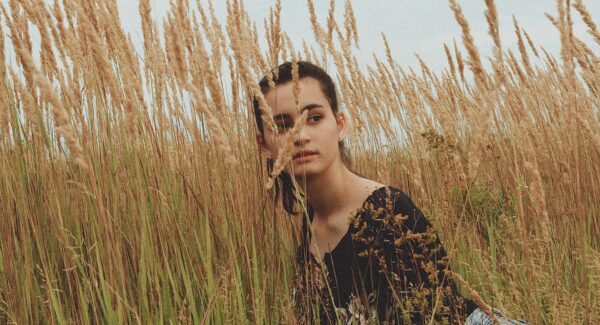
(478, 317)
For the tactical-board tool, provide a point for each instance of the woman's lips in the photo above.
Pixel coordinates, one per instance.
(304, 156)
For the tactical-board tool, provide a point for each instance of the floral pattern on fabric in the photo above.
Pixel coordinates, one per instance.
(389, 267)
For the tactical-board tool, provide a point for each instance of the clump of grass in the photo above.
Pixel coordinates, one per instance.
(481, 205)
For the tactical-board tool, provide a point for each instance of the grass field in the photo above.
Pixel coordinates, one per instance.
(132, 191)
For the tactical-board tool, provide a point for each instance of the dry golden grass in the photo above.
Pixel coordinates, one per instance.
(117, 207)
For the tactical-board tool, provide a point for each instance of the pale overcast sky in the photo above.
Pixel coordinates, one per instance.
(411, 26)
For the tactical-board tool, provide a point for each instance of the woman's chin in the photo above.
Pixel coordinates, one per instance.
(303, 172)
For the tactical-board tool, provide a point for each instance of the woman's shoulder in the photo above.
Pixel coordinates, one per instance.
(389, 204)
(392, 199)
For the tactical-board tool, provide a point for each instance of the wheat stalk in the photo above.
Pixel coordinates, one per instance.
(474, 59)
(284, 155)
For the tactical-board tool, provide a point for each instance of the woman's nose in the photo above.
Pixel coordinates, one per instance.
(302, 137)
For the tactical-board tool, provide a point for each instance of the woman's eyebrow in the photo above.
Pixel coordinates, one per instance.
(284, 116)
(310, 106)
(281, 117)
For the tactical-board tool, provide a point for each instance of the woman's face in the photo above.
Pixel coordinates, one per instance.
(316, 148)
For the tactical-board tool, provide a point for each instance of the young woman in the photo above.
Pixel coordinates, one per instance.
(367, 253)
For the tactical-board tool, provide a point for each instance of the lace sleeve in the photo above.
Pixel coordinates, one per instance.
(414, 262)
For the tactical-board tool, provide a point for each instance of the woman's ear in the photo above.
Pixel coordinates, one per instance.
(264, 151)
(342, 124)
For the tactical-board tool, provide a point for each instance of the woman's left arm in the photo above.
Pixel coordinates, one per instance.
(416, 261)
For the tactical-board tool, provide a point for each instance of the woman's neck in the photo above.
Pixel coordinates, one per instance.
(331, 192)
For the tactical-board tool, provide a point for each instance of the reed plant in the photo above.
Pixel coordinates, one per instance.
(132, 190)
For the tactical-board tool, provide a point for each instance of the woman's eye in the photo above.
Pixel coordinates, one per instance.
(314, 118)
(282, 127)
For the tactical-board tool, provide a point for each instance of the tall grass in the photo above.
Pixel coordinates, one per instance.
(131, 188)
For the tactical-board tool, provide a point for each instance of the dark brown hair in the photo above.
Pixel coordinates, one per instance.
(284, 184)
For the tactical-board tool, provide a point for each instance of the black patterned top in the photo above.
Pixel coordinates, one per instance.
(388, 268)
